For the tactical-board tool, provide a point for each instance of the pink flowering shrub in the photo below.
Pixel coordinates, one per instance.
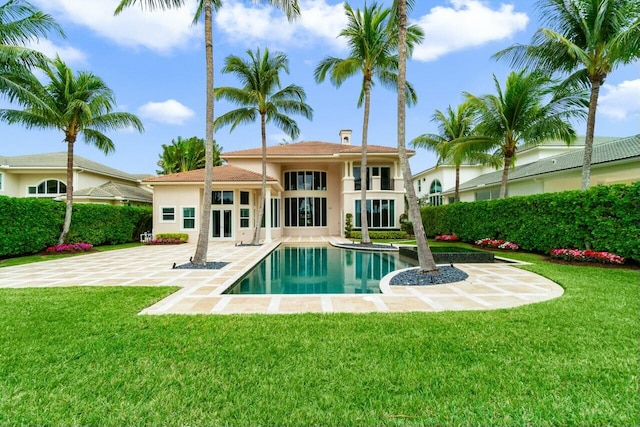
(69, 247)
(497, 243)
(587, 256)
(447, 237)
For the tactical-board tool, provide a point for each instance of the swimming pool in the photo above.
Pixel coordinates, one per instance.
(319, 270)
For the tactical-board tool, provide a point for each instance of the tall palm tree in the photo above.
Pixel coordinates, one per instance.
(529, 111)
(588, 39)
(185, 155)
(21, 23)
(425, 257)
(373, 47)
(79, 105)
(455, 127)
(206, 8)
(261, 96)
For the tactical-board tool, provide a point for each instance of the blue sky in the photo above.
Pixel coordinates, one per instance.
(154, 63)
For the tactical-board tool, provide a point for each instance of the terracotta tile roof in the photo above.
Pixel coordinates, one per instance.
(224, 173)
(311, 148)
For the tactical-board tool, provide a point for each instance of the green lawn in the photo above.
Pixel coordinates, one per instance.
(82, 356)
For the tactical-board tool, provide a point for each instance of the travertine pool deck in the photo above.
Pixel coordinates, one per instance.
(489, 286)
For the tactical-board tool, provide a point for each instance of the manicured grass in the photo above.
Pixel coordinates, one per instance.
(82, 356)
(28, 259)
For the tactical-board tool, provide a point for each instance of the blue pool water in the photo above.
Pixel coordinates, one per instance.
(319, 270)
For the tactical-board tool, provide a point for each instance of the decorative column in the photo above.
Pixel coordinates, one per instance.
(267, 216)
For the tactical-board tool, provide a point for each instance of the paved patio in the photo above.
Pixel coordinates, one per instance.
(489, 286)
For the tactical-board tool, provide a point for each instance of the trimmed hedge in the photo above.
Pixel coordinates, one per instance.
(30, 225)
(603, 218)
(380, 234)
(182, 237)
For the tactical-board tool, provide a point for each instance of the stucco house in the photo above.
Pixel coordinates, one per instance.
(311, 186)
(45, 175)
(545, 168)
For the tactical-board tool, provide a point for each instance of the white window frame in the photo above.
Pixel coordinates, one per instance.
(182, 217)
(45, 194)
(1, 181)
(162, 220)
(248, 218)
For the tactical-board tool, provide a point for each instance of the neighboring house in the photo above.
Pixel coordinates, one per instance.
(44, 175)
(545, 168)
(311, 186)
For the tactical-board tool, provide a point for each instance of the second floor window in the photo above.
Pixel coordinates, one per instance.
(384, 172)
(50, 186)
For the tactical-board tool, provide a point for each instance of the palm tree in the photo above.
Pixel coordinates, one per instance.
(291, 10)
(587, 39)
(455, 127)
(425, 257)
(20, 23)
(185, 155)
(518, 115)
(260, 95)
(373, 47)
(80, 105)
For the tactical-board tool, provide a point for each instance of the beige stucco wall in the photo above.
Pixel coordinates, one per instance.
(18, 182)
(176, 196)
(190, 195)
(24, 181)
(620, 173)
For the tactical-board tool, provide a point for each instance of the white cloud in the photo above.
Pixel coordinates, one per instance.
(266, 25)
(466, 23)
(157, 30)
(170, 112)
(68, 54)
(621, 101)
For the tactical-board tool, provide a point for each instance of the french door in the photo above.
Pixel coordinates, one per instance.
(222, 223)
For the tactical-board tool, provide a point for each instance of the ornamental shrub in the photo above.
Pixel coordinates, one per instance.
(447, 237)
(586, 256)
(380, 234)
(70, 247)
(603, 218)
(179, 237)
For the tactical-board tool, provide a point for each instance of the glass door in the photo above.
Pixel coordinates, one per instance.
(221, 223)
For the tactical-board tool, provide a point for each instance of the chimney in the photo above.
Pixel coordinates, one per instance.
(345, 136)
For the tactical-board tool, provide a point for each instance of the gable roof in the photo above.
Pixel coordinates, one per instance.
(311, 148)
(59, 161)
(224, 173)
(619, 149)
(115, 190)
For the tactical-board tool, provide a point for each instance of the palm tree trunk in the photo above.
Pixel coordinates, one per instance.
(365, 240)
(256, 233)
(456, 196)
(69, 207)
(200, 257)
(588, 140)
(505, 177)
(425, 258)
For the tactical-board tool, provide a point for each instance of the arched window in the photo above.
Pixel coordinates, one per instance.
(435, 187)
(49, 187)
(435, 190)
